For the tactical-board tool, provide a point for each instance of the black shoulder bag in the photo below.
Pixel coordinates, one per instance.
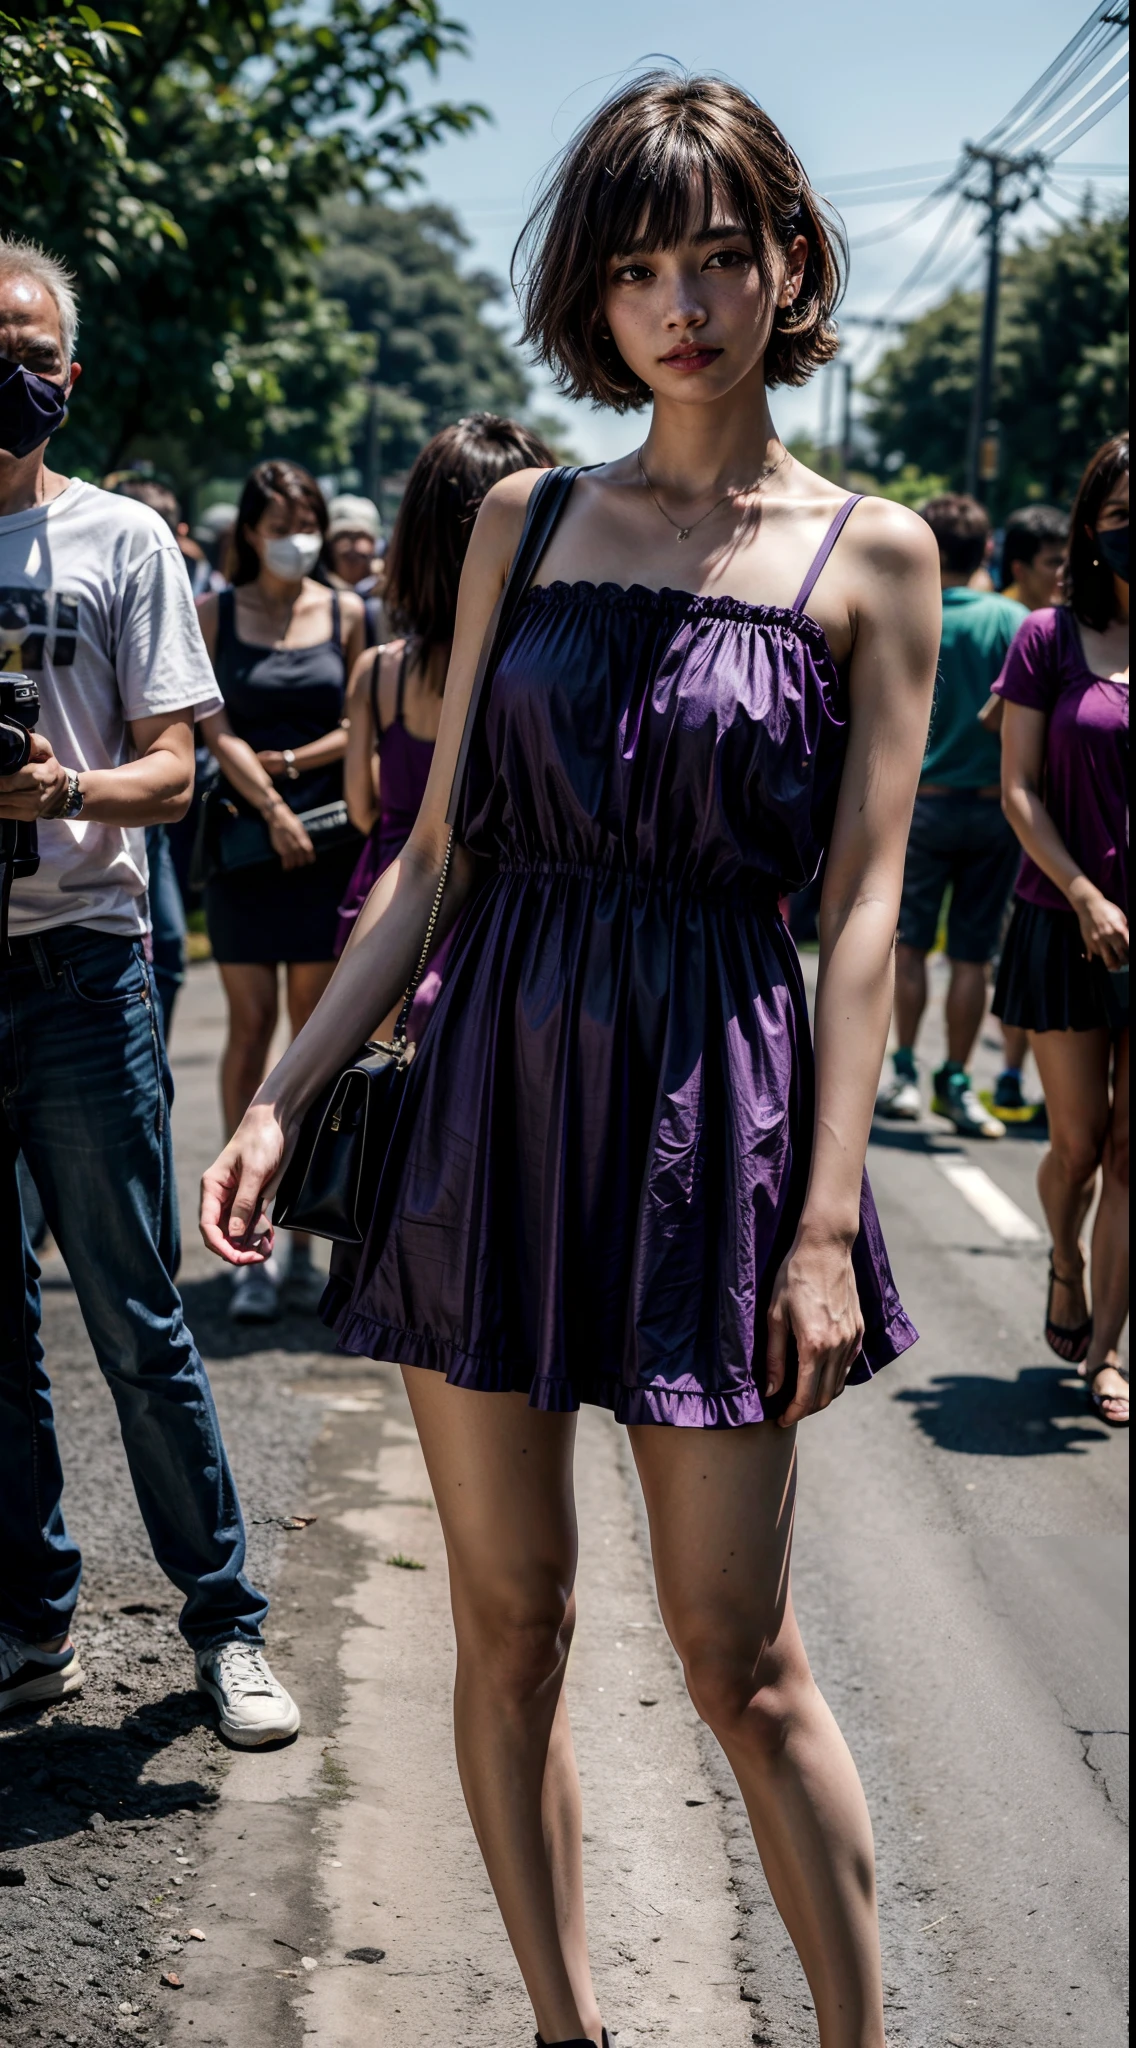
(330, 1184)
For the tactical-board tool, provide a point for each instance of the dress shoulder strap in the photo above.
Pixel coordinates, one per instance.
(226, 617)
(336, 634)
(376, 665)
(400, 686)
(824, 551)
(550, 494)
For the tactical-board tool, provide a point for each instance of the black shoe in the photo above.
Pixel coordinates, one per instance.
(579, 2041)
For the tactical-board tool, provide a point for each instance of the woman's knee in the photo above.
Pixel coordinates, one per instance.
(755, 1702)
(520, 1636)
(1077, 1153)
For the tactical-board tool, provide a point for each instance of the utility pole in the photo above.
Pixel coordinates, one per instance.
(855, 320)
(1007, 182)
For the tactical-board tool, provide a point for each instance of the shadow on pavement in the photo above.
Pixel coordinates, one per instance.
(911, 1138)
(61, 1773)
(206, 1304)
(1040, 1414)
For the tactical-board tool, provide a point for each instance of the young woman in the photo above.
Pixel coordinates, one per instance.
(622, 1184)
(281, 645)
(1065, 791)
(394, 701)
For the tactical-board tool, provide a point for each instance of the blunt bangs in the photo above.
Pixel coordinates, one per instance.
(666, 151)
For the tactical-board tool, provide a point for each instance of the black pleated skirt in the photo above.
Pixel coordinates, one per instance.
(1045, 982)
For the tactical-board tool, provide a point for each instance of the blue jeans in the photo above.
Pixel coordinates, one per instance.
(167, 923)
(84, 1094)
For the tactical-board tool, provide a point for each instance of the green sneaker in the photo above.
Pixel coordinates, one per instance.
(954, 1098)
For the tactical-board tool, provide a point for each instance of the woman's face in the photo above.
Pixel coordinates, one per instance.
(693, 321)
(280, 517)
(286, 539)
(1114, 511)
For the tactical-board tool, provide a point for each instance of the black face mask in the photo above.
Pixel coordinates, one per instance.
(31, 408)
(1112, 547)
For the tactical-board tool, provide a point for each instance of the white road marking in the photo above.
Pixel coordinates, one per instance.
(993, 1206)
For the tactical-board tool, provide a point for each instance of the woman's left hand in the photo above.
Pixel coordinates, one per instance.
(815, 1300)
(272, 761)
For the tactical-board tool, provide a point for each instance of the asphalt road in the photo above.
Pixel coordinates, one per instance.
(962, 1580)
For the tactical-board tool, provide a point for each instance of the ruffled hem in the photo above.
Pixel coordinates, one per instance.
(361, 1336)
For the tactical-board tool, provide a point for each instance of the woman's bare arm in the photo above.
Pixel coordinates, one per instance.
(895, 570)
(1104, 927)
(360, 781)
(384, 947)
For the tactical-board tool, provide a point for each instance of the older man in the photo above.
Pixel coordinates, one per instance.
(96, 608)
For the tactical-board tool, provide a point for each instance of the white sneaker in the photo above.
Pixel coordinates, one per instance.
(900, 1098)
(33, 1678)
(256, 1294)
(253, 1706)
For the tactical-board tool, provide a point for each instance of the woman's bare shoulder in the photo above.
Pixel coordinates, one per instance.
(502, 516)
(889, 540)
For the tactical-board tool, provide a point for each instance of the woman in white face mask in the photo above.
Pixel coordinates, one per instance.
(276, 843)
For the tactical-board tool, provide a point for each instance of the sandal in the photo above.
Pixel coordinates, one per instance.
(1097, 1402)
(582, 2041)
(1070, 1344)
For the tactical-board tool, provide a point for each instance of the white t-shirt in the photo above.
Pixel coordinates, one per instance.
(95, 607)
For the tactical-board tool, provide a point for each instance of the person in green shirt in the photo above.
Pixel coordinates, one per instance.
(959, 837)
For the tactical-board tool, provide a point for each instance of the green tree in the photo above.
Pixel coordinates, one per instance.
(177, 159)
(437, 353)
(1062, 367)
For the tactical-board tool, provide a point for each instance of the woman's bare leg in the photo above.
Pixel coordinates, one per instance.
(1073, 1066)
(502, 1479)
(250, 990)
(720, 1506)
(307, 980)
(1110, 1246)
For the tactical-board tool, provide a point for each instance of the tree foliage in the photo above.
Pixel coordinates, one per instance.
(1062, 367)
(177, 159)
(397, 272)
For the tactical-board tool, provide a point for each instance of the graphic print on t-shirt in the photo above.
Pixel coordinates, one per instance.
(27, 617)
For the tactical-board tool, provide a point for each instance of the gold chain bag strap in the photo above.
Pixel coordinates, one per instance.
(331, 1182)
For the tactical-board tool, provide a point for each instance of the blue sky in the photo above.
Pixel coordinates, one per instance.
(857, 85)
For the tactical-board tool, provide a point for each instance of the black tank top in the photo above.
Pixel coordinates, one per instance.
(280, 697)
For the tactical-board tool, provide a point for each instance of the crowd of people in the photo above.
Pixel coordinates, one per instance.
(572, 757)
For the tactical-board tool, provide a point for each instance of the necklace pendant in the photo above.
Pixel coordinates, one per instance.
(682, 533)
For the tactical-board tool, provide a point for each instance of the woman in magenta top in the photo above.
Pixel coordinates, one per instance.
(1063, 975)
(394, 700)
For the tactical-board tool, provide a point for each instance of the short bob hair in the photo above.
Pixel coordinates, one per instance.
(267, 481)
(626, 181)
(961, 527)
(443, 495)
(1088, 585)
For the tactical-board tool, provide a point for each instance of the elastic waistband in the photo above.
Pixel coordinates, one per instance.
(752, 892)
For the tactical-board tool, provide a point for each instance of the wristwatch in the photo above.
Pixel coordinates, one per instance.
(288, 757)
(73, 802)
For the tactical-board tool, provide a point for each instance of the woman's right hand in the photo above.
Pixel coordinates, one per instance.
(289, 839)
(1104, 927)
(236, 1188)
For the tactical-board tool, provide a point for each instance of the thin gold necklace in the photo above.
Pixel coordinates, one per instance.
(684, 532)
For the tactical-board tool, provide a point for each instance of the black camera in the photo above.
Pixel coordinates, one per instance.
(19, 845)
